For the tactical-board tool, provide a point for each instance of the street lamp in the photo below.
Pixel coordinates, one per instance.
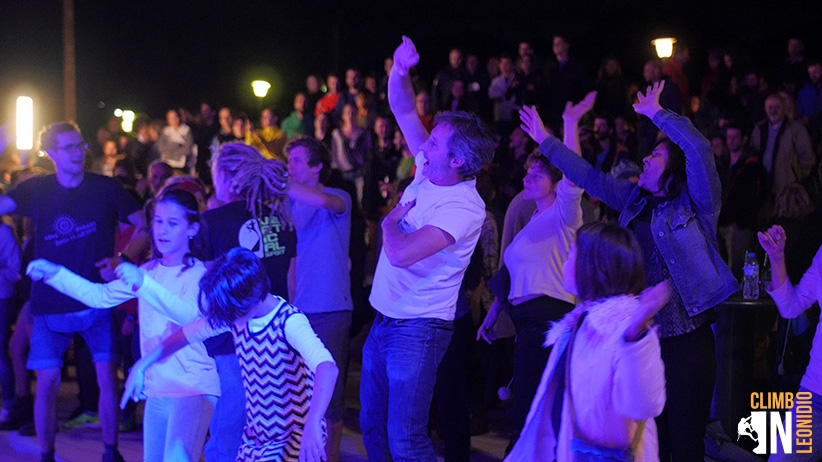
(25, 123)
(128, 121)
(664, 46)
(260, 88)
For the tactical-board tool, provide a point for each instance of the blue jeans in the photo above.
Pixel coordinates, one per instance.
(52, 334)
(228, 421)
(399, 369)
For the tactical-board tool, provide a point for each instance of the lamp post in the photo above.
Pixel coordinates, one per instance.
(664, 46)
(69, 63)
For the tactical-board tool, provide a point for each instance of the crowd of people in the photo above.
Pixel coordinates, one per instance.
(438, 212)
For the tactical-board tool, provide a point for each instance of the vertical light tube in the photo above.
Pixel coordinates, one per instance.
(25, 123)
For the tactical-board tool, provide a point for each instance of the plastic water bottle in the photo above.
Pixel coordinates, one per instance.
(750, 287)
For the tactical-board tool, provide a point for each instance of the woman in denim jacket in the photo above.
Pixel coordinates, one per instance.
(673, 212)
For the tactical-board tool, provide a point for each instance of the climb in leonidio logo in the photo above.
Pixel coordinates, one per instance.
(779, 420)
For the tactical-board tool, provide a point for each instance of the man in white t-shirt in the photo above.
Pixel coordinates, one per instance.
(427, 244)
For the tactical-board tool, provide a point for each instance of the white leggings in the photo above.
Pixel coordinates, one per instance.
(175, 428)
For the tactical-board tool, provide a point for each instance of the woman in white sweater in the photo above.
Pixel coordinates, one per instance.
(793, 301)
(182, 389)
(535, 296)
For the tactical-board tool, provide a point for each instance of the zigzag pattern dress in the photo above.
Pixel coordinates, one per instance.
(278, 389)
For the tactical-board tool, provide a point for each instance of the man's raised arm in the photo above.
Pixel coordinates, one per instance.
(401, 95)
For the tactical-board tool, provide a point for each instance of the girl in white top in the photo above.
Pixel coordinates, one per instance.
(288, 375)
(183, 389)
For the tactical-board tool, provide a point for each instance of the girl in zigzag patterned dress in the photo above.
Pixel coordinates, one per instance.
(277, 395)
(288, 374)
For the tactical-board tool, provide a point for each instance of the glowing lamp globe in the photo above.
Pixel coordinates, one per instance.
(664, 46)
(260, 88)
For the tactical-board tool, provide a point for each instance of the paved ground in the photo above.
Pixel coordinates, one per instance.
(84, 445)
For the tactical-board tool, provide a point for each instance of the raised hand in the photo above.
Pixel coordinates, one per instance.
(42, 269)
(405, 56)
(574, 112)
(773, 241)
(532, 124)
(651, 300)
(648, 104)
(130, 274)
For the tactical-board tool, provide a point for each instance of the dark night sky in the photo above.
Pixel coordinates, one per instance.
(152, 54)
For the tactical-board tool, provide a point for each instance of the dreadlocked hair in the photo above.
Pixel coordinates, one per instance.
(261, 182)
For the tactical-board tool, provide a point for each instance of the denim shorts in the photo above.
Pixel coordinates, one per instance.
(52, 334)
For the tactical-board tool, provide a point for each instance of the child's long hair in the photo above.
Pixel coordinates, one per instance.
(259, 181)
(233, 287)
(189, 204)
(609, 262)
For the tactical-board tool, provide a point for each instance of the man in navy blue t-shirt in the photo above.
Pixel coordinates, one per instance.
(76, 215)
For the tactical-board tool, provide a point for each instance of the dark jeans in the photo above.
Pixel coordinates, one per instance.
(532, 320)
(7, 317)
(453, 391)
(690, 373)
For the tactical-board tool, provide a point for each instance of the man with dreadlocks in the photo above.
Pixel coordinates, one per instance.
(427, 244)
(256, 217)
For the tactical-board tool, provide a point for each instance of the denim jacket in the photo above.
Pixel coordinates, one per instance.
(684, 228)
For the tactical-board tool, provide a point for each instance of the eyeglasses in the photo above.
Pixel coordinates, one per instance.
(74, 147)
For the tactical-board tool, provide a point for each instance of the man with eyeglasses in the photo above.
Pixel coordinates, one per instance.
(76, 214)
